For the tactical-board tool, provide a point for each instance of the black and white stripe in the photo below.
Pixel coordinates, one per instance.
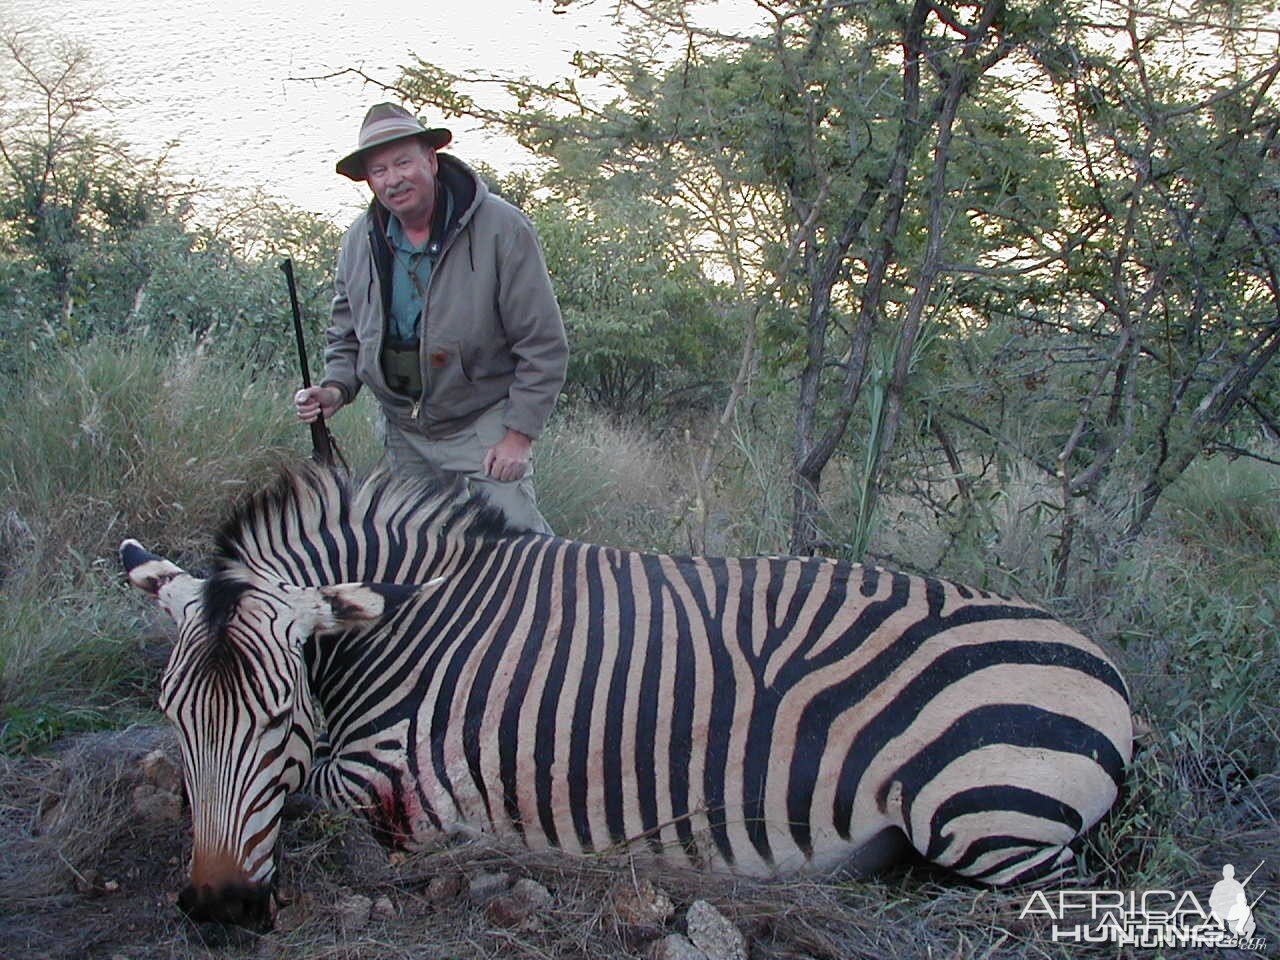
(761, 715)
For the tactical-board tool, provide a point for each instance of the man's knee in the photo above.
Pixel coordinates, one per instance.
(516, 500)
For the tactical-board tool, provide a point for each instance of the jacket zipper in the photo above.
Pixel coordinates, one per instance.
(462, 224)
(375, 283)
(445, 245)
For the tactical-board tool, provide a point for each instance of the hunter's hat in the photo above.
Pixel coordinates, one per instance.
(384, 123)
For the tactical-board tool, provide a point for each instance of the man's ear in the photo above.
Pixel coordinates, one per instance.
(166, 583)
(352, 605)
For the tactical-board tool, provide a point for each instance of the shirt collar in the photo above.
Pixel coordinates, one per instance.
(397, 238)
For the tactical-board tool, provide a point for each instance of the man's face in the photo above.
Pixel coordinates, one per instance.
(402, 176)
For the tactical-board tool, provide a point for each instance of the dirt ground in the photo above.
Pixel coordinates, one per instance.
(93, 849)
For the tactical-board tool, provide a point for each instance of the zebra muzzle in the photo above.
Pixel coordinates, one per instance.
(241, 904)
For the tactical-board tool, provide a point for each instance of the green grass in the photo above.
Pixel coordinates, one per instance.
(110, 441)
(71, 660)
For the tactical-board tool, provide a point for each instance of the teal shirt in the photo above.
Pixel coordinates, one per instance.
(410, 271)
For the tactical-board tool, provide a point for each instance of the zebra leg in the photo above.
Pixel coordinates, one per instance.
(885, 849)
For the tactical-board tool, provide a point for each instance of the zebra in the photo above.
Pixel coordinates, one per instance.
(393, 647)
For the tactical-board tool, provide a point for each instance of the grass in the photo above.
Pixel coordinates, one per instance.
(109, 442)
(103, 444)
(106, 443)
(605, 483)
(329, 860)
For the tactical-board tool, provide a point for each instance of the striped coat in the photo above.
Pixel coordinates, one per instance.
(764, 716)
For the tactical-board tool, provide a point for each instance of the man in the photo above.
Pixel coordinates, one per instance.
(444, 309)
(1225, 894)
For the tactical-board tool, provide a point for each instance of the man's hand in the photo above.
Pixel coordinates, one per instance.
(316, 401)
(508, 459)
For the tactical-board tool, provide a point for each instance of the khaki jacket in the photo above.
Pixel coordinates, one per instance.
(490, 330)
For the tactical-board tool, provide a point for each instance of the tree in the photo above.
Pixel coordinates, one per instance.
(1147, 315)
(890, 186)
(800, 177)
(96, 242)
(66, 185)
(648, 336)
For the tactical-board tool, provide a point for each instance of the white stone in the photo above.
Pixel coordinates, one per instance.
(675, 947)
(714, 935)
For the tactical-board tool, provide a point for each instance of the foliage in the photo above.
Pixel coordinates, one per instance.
(647, 334)
(1056, 184)
(1090, 275)
(94, 241)
(110, 441)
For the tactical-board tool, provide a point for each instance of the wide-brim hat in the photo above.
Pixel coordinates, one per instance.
(386, 123)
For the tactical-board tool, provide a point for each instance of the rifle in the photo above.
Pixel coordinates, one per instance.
(323, 446)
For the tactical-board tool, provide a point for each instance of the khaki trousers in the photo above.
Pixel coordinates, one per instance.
(410, 454)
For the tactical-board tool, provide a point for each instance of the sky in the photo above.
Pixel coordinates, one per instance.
(218, 86)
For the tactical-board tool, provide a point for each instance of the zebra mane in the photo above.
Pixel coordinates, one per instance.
(315, 525)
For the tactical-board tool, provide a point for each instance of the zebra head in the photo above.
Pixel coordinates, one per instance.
(236, 690)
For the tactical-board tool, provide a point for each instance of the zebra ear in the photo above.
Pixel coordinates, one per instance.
(354, 604)
(166, 583)
(145, 570)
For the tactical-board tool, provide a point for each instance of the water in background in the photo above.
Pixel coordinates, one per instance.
(213, 78)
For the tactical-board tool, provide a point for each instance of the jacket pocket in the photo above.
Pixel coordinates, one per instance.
(449, 382)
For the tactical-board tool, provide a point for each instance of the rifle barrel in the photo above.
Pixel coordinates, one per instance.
(321, 443)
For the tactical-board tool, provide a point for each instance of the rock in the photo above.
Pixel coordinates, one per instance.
(445, 888)
(160, 772)
(715, 936)
(519, 907)
(533, 893)
(383, 908)
(294, 914)
(674, 947)
(485, 886)
(354, 910)
(506, 910)
(155, 804)
(641, 905)
(89, 882)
